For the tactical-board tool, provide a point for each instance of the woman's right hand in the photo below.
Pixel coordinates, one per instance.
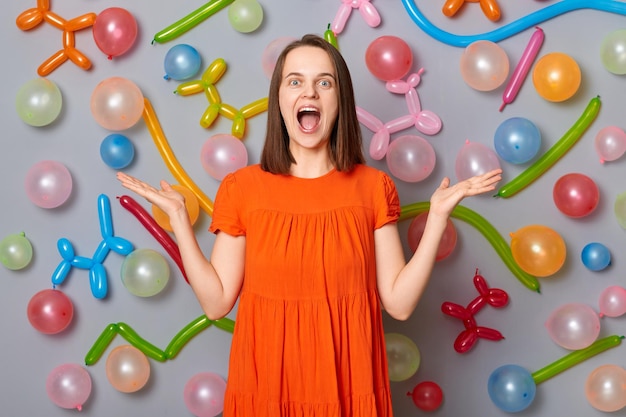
(167, 198)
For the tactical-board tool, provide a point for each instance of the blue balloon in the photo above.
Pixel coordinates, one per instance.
(511, 388)
(181, 62)
(517, 140)
(117, 151)
(596, 256)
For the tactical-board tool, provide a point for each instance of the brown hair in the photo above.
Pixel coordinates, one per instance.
(345, 145)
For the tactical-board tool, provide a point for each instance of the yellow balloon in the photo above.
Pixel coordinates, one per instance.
(538, 250)
(191, 204)
(556, 76)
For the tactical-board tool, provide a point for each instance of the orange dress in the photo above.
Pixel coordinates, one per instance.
(308, 338)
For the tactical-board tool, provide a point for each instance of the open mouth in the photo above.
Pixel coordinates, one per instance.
(308, 118)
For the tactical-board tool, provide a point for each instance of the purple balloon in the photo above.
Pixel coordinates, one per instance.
(48, 184)
(204, 394)
(69, 386)
(410, 158)
(222, 154)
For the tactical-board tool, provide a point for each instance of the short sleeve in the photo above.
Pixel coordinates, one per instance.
(227, 208)
(387, 202)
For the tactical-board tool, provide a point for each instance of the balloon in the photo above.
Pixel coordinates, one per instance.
(16, 251)
(575, 357)
(610, 143)
(473, 159)
(271, 53)
(39, 102)
(190, 21)
(117, 103)
(245, 16)
(114, 31)
(388, 58)
(596, 256)
(517, 140)
(605, 388)
(69, 386)
(140, 343)
(181, 62)
(523, 67)
(484, 65)
(117, 151)
(330, 37)
(48, 184)
(538, 250)
(448, 240)
(427, 396)
(613, 52)
(489, 7)
(145, 273)
(411, 158)
(501, 247)
(222, 154)
(552, 155)
(556, 76)
(575, 195)
(511, 388)
(101, 343)
(612, 301)
(620, 209)
(366, 9)
(50, 311)
(573, 326)
(127, 369)
(191, 204)
(169, 158)
(403, 356)
(155, 230)
(204, 394)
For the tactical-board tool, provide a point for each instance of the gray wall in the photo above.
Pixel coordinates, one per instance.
(74, 139)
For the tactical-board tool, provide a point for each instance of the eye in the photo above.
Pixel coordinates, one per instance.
(325, 83)
(293, 82)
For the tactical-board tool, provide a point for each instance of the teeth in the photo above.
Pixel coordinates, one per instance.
(308, 109)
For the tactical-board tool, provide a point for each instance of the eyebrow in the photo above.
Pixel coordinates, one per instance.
(321, 75)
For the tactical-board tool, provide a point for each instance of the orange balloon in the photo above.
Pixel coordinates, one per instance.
(556, 77)
(191, 204)
(538, 250)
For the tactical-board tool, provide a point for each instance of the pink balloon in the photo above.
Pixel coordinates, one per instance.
(575, 195)
(447, 243)
(117, 103)
(411, 158)
(48, 184)
(114, 31)
(610, 143)
(573, 326)
(127, 368)
(271, 53)
(605, 388)
(389, 58)
(613, 301)
(475, 159)
(204, 394)
(222, 154)
(69, 386)
(484, 65)
(50, 311)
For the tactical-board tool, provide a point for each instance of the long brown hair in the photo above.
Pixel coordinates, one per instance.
(345, 145)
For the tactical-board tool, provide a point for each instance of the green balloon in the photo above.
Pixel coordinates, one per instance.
(613, 52)
(145, 272)
(39, 102)
(403, 357)
(16, 251)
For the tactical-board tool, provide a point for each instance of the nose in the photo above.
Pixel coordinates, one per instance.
(309, 91)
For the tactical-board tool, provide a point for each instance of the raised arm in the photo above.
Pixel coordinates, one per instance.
(401, 284)
(217, 281)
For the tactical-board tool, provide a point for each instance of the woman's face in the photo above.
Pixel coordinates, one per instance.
(308, 98)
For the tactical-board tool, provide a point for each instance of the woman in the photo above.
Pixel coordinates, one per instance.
(308, 242)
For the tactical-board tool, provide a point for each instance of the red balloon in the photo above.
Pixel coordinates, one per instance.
(114, 31)
(389, 58)
(427, 396)
(448, 240)
(50, 311)
(575, 195)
